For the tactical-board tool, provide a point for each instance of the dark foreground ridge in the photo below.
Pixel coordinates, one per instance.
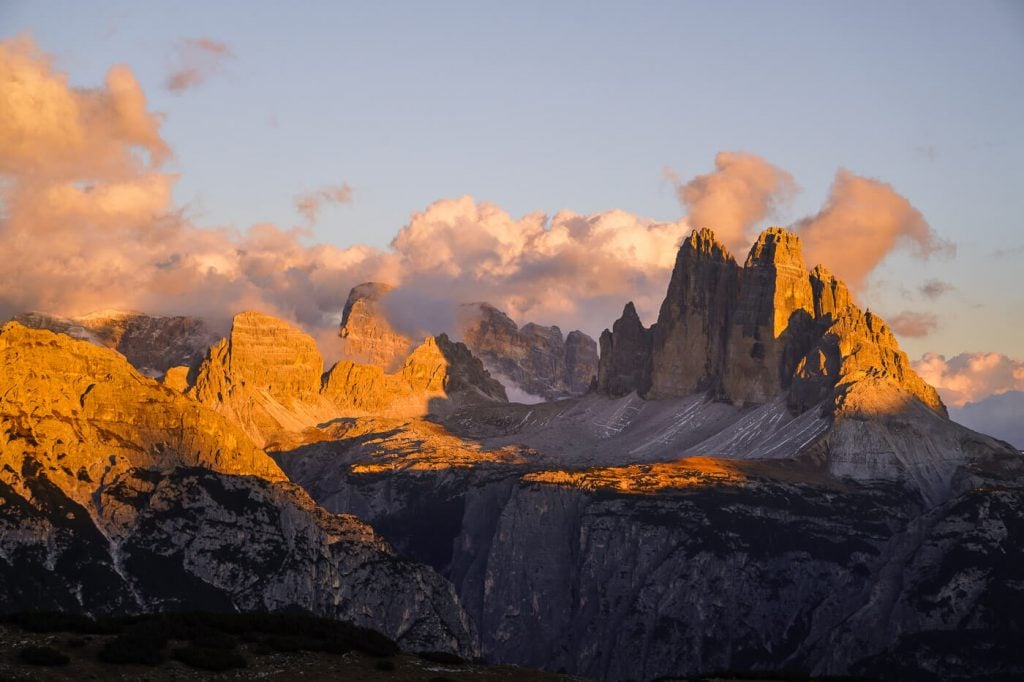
(54, 645)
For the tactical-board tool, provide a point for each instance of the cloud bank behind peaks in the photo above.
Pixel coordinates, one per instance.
(89, 223)
(970, 377)
(572, 270)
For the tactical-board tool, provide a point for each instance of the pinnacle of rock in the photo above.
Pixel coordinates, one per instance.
(689, 340)
(747, 335)
(624, 365)
(367, 336)
(773, 313)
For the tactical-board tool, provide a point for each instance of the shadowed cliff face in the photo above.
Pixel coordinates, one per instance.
(122, 495)
(534, 358)
(750, 334)
(683, 566)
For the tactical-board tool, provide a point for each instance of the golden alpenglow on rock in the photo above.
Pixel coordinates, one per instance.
(750, 334)
(122, 495)
(268, 378)
(91, 415)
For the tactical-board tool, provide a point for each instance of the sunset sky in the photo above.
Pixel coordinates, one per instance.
(345, 119)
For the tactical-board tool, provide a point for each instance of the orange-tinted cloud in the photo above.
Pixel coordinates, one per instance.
(970, 377)
(90, 223)
(309, 205)
(912, 324)
(862, 221)
(742, 191)
(197, 60)
(570, 270)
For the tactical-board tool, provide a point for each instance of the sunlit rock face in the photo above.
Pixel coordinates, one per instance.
(123, 495)
(534, 358)
(750, 334)
(152, 344)
(438, 376)
(771, 321)
(268, 378)
(265, 377)
(367, 336)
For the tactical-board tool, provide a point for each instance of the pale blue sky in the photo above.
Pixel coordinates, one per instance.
(545, 106)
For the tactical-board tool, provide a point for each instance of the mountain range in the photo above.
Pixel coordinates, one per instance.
(757, 481)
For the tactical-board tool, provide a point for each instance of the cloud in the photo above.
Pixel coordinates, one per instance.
(90, 223)
(742, 191)
(309, 205)
(971, 377)
(863, 221)
(570, 270)
(197, 60)
(914, 325)
(935, 289)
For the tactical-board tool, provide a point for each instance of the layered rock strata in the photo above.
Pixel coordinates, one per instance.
(152, 344)
(121, 495)
(534, 359)
(268, 377)
(367, 336)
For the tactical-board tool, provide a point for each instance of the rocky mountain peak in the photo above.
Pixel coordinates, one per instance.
(103, 417)
(152, 344)
(624, 365)
(367, 336)
(534, 358)
(776, 246)
(830, 295)
(689, 339)
(703, 242)
(748, 334)
(270, 355)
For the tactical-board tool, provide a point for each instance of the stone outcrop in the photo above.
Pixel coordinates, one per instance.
(748, 335)
(856, 346)
(367, 336)
(268, 378)
(673, 568)
(152, 344)
(265, 377)
(581, 360)
(531, 358)
(771, 321)
(120, 495)
(534, 358)
(625, 363)
(691, 335)
(439, 376)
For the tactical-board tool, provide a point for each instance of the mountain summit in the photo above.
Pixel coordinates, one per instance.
(748, 334)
